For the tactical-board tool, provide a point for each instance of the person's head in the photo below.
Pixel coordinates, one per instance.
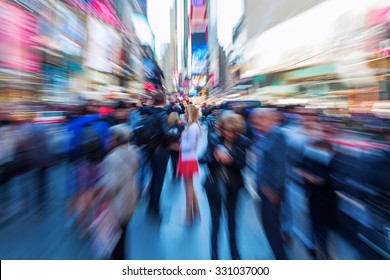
(91, 107)
(231, 126)
(172, 99)
(192, 114)
(120, 135)
(133, 107)
(173, 118)
(159, 99)
(264, 119)
(121, 112)
(214, 110)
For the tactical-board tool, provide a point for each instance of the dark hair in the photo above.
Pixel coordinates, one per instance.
(120, 105)
(133, 105)
(144, 111)
(159, 99)
(92, 145)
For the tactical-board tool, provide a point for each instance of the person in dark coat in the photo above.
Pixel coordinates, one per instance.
(316, 169)
(271, 150)
(176, 128)
(160, 156)
(226, 158)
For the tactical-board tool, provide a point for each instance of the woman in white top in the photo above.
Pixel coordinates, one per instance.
(188, 161)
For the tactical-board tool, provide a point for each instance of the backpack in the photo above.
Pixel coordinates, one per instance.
(174, 133)
(148, 132)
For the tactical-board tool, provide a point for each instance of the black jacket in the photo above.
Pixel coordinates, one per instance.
(162, 127)
(233, 171)
(170, 108)
(175, 132)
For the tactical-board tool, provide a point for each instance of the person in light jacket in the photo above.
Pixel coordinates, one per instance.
(119, 182)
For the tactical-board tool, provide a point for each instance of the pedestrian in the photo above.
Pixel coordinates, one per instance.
(152, 134)
(172, 106)
(7, 153)
(176, 128)
(211, 119)
(316, 170)
(42, 162)
(81, 118)
(119, 183)
(134, 116)
(89, 174)
(271, 151)
(188, 162)
(227, 158)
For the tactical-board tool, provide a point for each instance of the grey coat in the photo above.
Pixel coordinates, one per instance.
(271, 166)
(119, 181)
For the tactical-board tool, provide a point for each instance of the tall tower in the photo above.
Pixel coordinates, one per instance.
(213, 46)
(199, 38)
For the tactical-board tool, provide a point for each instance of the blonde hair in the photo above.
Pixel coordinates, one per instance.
(173, 118)
(234, 121)
(193, 115)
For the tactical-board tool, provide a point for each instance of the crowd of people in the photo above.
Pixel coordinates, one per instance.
(111, 151)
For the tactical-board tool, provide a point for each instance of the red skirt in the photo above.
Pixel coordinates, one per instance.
(187, 169)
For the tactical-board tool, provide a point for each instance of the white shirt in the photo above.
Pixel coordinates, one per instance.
(190, 142)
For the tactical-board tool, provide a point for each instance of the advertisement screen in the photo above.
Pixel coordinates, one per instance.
(104, 47)
(70, 31)
(199, 60)
(199, 53)
(104, 11)
(18, 33)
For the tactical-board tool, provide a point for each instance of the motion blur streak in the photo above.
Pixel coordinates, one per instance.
(97, 130)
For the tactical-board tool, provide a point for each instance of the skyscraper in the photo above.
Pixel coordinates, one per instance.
(143, 4)
(199, 38)
(213, 45)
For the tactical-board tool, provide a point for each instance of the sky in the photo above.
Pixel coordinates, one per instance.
(228, 15)
(159, 20)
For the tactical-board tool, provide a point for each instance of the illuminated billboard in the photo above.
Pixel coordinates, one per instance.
(18, 31)
(104, 46)
(199, 60)
(199, 53)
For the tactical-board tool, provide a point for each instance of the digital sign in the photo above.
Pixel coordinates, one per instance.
(18, 31)
(104, 47)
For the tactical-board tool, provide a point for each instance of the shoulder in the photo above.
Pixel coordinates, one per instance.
(278, 134)
(181, 126)
(244, 142)
(194, 128)
(110, 159)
